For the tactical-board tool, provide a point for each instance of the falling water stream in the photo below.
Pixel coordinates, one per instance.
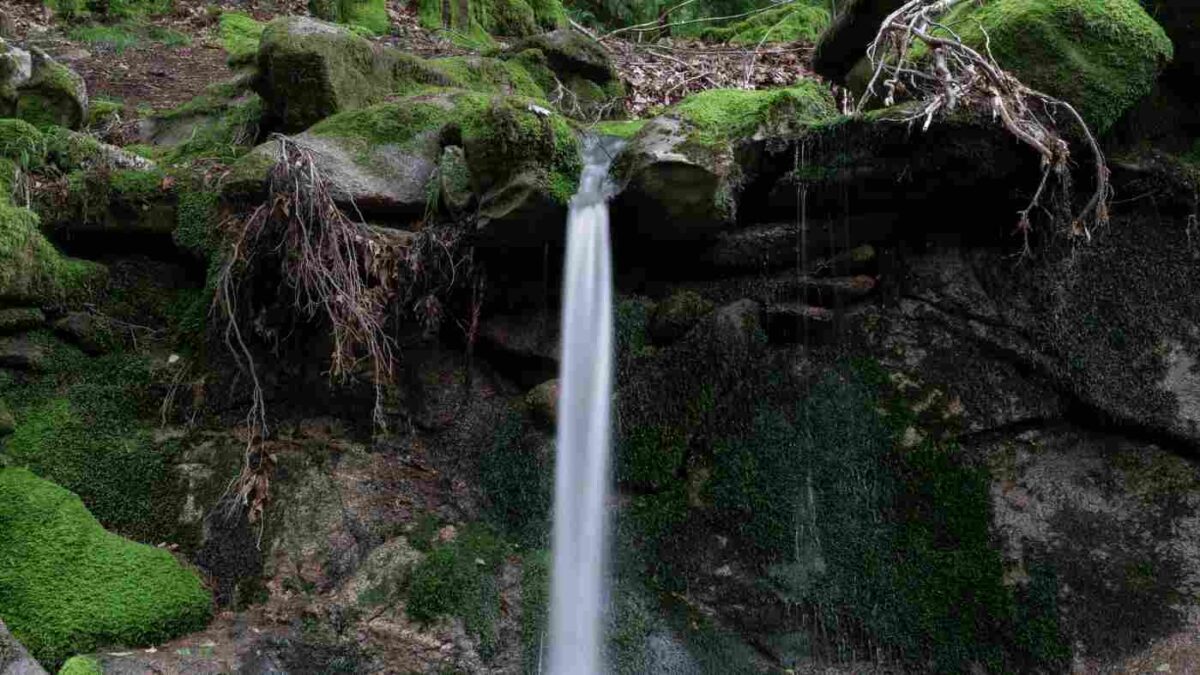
(579, 588)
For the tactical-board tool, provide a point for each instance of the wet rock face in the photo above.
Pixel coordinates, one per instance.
(1113, 521)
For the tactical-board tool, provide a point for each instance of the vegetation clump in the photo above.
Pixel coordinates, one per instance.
(68, 586)
(719, 116)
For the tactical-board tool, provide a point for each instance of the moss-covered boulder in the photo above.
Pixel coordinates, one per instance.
(32, 270)
(1102, 57)
(521, 161)
(54, 95)
(101, 199)
(681, 171)
(575, 72)
(68, 586)
(310, 69)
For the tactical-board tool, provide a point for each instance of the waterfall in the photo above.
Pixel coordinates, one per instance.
(579, 588)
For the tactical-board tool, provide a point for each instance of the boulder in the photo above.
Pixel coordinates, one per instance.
(1100, 57)
(14, 659)
(519, 162)
(681, 173)
(570, 52)
(54, 95)
(676, 315)
(91, 333)
(574, 71)
(454, 181)
(33, 271)
(309, 69)
(21, 354)
(16, 67)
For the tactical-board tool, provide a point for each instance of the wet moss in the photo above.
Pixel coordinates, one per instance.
(196, 222)
(68, 586)
(1102, 56)
(460, 579)
(517, 477)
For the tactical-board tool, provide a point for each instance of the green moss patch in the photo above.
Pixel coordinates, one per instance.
(240, 35)
(489, 75)
(800, 21)
(1102, 56)
(619, 128)
(721, 115)
(460, 579)
(368, 15)
(81, 424)
(68, 586)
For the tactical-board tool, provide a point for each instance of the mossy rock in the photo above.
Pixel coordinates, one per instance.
(309, 70)
(16, 67)
(520, 158)
(81, 665)
(32, 270)
(20, 319)
(574, 70)
(54, 95)
(127, 201)
(1102, 56)
(681, 172)
(800, 21)
(67, 585)
(676, 315)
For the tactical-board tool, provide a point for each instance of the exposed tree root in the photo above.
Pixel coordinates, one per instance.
(348, 275)
(953, 76)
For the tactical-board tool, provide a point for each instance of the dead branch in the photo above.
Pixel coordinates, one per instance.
(953, 76)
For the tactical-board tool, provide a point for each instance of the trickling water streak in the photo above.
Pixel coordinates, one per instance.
(578, 592)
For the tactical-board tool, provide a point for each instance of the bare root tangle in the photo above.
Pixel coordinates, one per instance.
(954, 75)
(344, 272)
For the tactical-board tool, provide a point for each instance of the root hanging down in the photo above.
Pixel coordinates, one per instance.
(329, 268)
(953, 76)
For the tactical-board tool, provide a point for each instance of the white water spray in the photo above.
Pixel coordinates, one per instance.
(578, 595)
